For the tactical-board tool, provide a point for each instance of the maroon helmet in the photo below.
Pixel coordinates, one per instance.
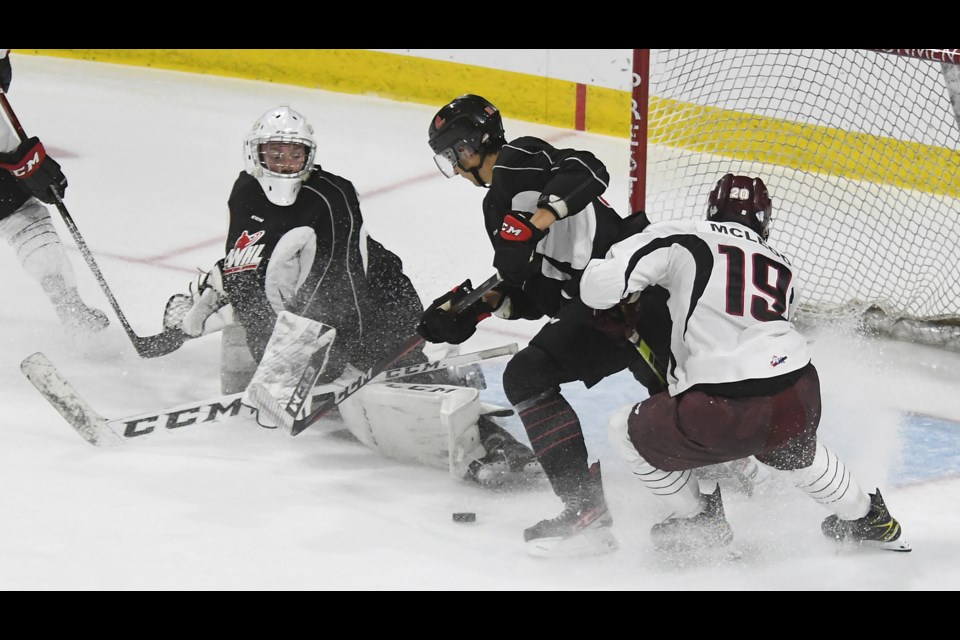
(741, 199)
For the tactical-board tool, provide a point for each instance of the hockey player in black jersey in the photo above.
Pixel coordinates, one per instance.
(297, 243)
(546, 219)
(27, 175)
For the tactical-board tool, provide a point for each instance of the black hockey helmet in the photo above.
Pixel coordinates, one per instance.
(467, 125)
(741, 199)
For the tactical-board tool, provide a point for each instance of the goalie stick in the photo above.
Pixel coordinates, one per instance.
(146, 346)
(103, 432)
(286, 416)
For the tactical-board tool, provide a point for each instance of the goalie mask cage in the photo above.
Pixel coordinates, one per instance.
(860, 149)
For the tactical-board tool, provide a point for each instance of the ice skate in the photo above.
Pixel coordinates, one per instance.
(73, 312)
(582, 528)
(77, 317)
(507, 461)
(876, 529)
(705, 530)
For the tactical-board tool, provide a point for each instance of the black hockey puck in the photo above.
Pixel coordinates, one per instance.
(468, 516)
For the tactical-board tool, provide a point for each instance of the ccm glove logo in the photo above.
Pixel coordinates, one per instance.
(28, 163)
(516, 227)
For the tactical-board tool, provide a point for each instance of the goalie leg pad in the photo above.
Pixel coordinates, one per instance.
(289, 352)
(434, 425)
(236, 362)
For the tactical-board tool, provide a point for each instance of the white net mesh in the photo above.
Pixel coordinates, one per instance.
(858, 149)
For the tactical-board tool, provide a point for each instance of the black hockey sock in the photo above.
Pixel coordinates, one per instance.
(556, 437)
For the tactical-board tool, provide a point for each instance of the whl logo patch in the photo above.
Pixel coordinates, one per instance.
(246, 253)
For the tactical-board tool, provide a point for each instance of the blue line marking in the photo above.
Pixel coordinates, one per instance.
(931, 449)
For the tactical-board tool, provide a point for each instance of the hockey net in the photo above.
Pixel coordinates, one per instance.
(859, 149)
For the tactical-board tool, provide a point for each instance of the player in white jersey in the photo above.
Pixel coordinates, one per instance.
(740, 378)
(27, 179)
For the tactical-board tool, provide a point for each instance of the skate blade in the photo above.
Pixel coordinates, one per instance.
(589, 542)
(692, 541)
(900, 546)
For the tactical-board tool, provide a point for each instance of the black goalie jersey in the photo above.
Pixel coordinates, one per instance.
(353, 283)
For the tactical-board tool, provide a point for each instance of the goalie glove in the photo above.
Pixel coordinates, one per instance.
(38, 173)
(204, 310)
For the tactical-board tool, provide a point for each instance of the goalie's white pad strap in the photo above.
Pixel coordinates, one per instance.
(431, 424)
(289, 265)
(294, 341)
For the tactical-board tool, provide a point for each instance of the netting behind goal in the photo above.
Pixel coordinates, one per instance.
(859, 149)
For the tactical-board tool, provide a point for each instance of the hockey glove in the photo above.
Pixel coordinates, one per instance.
(5, 72)
(437, 324)
(515, 245)
(201, 312)
(38, 173)
(619, 322)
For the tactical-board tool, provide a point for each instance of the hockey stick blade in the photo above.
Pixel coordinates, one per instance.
(160, 344)
(91, 426)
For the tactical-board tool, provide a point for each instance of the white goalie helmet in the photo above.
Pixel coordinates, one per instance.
(279, 152)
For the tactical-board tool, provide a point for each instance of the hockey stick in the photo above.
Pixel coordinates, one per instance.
(103, 432)
(286, 416)
(147, 346)
(647, 354)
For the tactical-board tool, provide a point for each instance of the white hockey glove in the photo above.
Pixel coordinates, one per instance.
(205, 310)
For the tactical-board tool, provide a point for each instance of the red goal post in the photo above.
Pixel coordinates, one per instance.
(860, 149)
